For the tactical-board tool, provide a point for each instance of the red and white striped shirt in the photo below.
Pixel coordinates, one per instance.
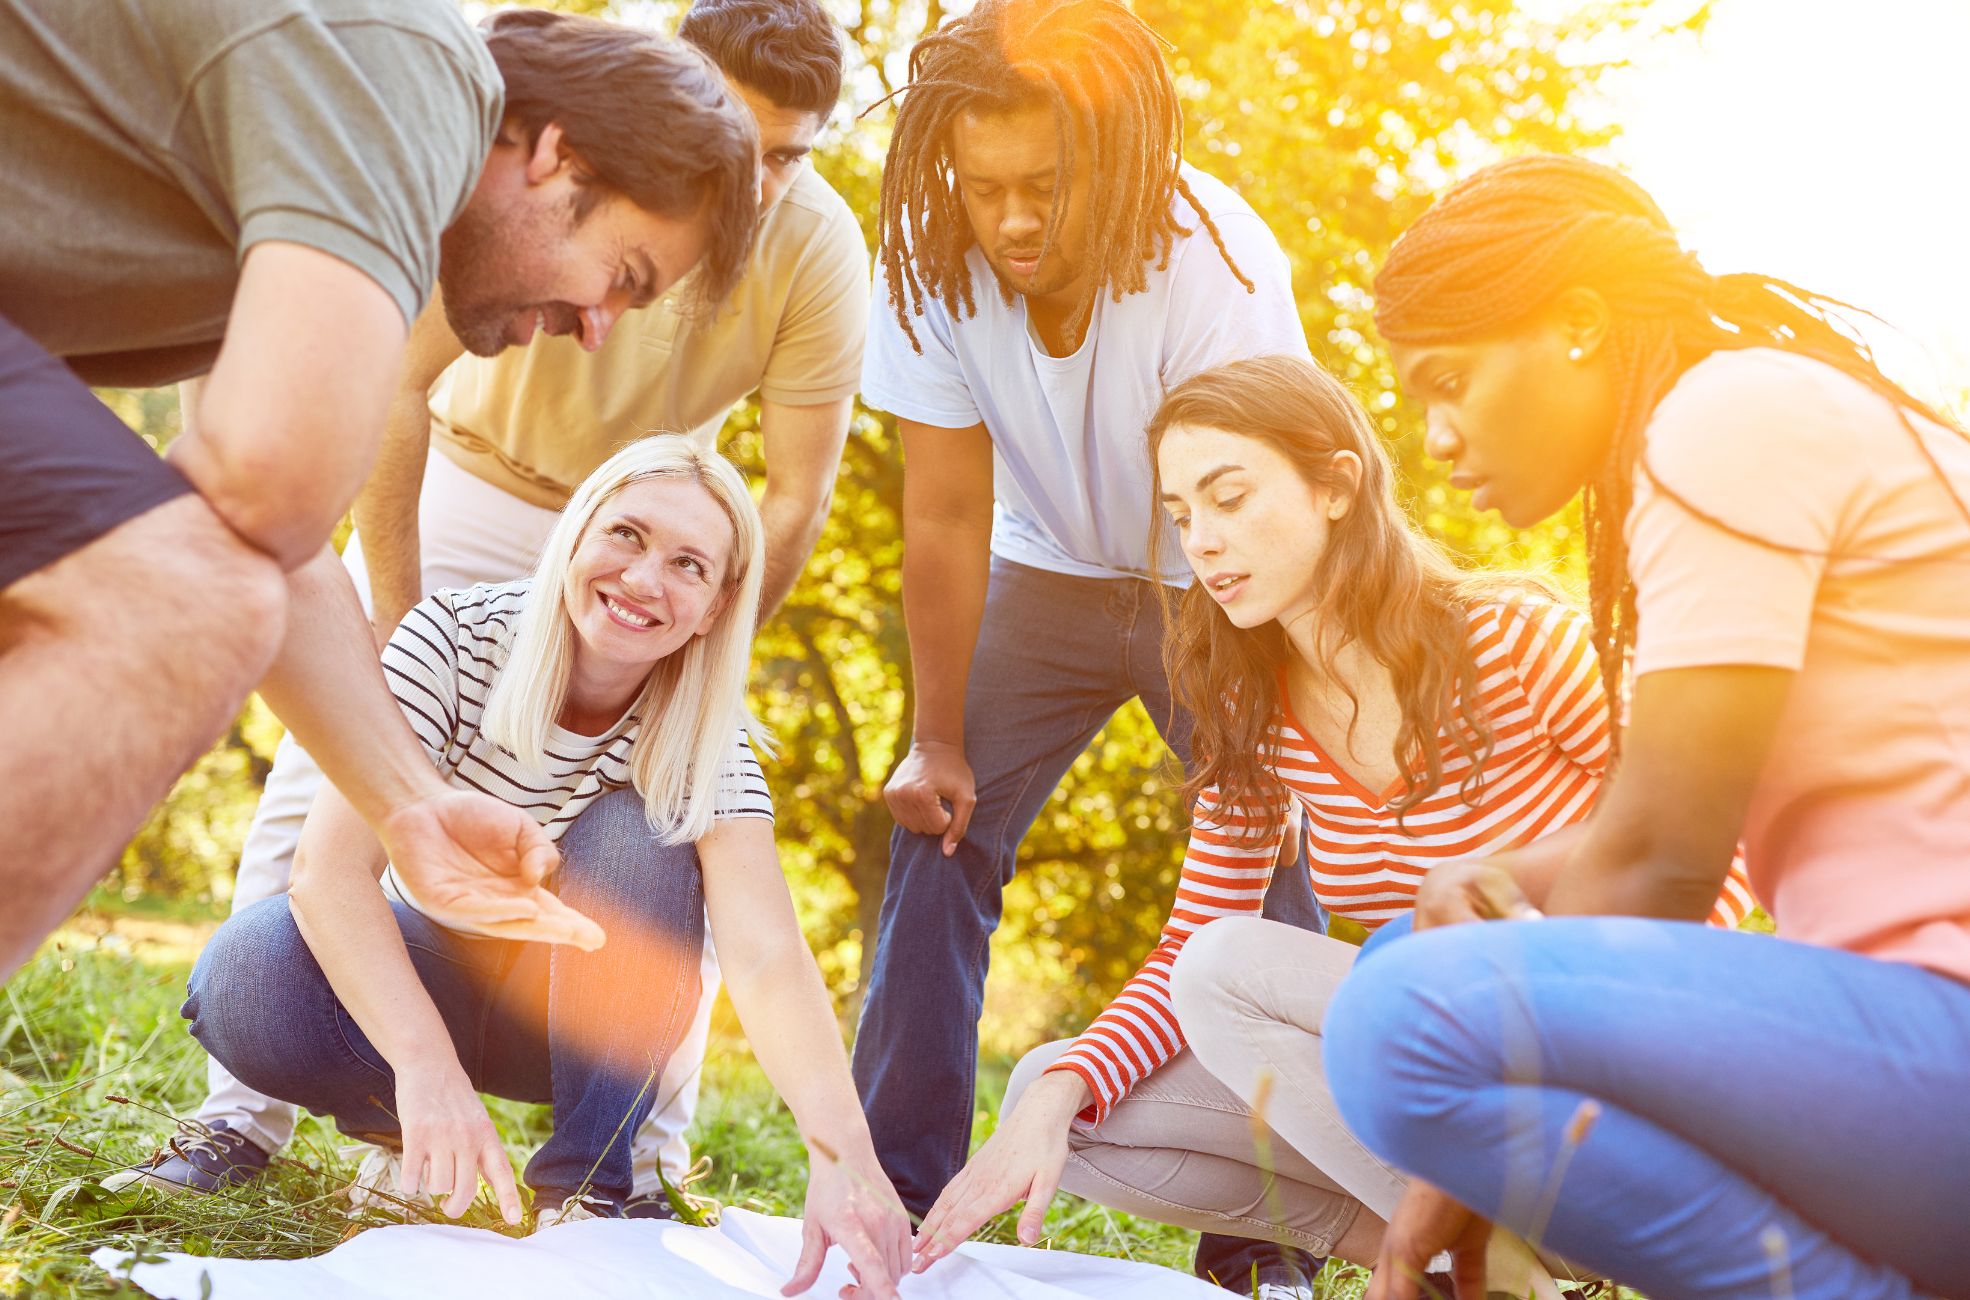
(1541, 689)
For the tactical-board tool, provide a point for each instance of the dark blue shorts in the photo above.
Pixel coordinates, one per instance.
(70, 471)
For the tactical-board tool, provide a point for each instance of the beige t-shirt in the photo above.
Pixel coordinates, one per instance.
(535, 421)
(1858, 834)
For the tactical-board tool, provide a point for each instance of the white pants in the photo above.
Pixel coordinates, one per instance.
(471, 532)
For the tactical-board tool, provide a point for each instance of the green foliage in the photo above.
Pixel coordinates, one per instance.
(95, 1063)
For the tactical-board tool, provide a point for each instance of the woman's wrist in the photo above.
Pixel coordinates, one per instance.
(1061, 1093)
(425, 1064)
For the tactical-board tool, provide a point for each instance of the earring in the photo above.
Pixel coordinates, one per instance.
(1576, 353)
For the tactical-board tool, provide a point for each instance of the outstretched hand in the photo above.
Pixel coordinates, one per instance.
(450, 1143)
(852, 1205)
(1021, 1161)
(477, 863)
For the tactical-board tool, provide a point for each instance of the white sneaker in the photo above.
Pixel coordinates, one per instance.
(377, 1179)
(573, 1210)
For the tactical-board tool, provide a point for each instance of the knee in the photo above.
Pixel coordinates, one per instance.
(1203, 980)
(1405, 1040)
(240, 606)
(612, 855)
(242, 986)
(1031, 1066)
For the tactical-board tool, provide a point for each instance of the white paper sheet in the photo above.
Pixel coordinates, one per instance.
(746, 1255)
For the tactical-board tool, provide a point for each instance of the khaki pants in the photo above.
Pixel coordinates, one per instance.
(1184, 1147)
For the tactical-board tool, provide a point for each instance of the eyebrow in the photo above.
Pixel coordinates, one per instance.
(1206, 481)
(1421, 370)
(637, 522)
(1038, 174)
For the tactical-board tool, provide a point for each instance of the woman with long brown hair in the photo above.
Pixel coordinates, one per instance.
(1779, 538)
(1349, 683)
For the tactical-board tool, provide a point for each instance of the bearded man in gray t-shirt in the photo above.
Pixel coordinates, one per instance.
(271, 191)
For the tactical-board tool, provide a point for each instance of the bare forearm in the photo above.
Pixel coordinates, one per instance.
(792, 525)
(349, 927)
(1536, 866)
(1620, 862)
(386, 508)
(1627, 885)
(327, 687)
(386, 513)
(945, 574)
(790, 1024)
(279, 437)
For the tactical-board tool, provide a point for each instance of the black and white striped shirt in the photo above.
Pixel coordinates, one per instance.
(441, 664)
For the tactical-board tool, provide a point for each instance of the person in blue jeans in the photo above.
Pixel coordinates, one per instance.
(605, 695)
(1779, 537)
(1040, 303)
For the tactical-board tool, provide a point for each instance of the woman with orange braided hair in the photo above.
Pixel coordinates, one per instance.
(1779, 540)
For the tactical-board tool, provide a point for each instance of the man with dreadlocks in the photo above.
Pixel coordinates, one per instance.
(1779, 538)
(1051, 268)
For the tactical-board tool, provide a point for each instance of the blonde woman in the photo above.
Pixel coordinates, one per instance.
(606, 696)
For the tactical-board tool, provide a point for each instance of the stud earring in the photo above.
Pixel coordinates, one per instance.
(1576, 353)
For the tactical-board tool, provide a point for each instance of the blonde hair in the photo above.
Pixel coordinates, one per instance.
(695, 698)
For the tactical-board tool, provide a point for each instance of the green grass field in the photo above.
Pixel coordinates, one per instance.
(95, 1063)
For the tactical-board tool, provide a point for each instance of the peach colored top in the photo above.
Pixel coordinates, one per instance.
(1858, 834)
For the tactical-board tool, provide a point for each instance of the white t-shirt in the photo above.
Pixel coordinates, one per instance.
(441, 663)
(1072, 474)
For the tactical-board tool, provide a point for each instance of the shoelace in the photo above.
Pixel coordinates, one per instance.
(1282, 1291)
(187, 1143)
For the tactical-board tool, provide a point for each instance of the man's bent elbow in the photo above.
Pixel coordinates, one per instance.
(285, 521)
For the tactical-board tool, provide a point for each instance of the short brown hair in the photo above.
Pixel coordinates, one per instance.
(787, 50)
(650, 118)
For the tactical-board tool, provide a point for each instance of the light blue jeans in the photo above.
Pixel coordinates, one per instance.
(1695, 1112)
(590, 1032)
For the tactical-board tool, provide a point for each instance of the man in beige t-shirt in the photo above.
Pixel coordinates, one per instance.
(482, 453)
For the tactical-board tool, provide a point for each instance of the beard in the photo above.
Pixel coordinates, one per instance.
(487, 259)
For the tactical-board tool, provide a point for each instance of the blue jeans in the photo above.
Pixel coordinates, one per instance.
(1767, 1118)
(587, 1031)
(1057, 656)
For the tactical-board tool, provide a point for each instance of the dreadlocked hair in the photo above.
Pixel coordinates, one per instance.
(1100, 70)
(1381, 583)
(1506, 242)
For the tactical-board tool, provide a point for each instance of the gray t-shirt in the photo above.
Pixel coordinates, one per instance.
(145, 145)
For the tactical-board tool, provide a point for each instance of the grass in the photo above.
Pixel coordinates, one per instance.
(95, 1064)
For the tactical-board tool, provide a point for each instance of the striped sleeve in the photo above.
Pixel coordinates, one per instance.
(742, 788)
(1736, 902)
(420, 665)
(1138, 1032)
(1551, 649)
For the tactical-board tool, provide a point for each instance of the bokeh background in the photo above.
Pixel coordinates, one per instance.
(1819, 140)
(1809, 138)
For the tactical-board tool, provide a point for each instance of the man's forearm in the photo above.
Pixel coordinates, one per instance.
(792, 526)
(386, 513)
(945, 573)
(327, 687)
